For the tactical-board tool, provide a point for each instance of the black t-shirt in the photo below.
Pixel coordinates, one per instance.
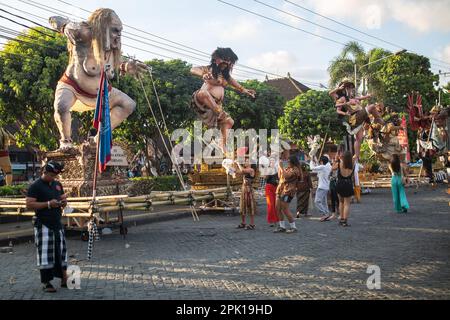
(43, 191)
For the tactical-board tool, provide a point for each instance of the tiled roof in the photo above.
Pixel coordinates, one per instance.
(289, 88)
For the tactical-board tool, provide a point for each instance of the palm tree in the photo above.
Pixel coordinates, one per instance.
(343, 66)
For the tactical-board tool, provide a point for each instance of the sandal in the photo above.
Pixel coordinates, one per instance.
(241, 226)
(48, 288)
(326, 218)
(250, 227)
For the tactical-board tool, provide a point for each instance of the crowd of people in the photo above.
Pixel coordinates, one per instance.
(337, 184)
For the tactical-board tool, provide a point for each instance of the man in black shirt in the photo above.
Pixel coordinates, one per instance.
(46, 197)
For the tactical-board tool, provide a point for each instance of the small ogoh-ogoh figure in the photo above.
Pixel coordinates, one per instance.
(350, 106)
(207, 101)
(383, 140)
(92, 45)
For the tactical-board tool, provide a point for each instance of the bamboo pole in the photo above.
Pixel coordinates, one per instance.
(31, 214)
(98, 198)
(158, 203)
(13, 206)
(115, 203)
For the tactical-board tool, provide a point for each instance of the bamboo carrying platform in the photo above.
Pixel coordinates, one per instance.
(83, 208)
(375, 181)
(214, 176)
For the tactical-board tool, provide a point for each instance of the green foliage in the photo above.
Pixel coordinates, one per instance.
(367, 156)
(343, 66)
(174, 85)
(445, 96)
(16, 190)
(311, 113)
(399, 75)
(262, 113)
(145, 185)
(29, 72)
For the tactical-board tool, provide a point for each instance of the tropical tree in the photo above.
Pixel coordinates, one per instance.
(353, 54)
(174, 85)
(311, 113)
(30, 67)
(343, 66)
(260, 113)
(399, 75)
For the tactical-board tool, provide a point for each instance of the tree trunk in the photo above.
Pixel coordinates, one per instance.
(147, 159)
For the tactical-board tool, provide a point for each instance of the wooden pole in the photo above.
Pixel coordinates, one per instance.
(323, 145)
(324, 141)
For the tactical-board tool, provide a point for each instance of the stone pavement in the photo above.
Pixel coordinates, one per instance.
(211, 259)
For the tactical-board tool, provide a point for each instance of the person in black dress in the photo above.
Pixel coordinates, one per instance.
(344, 186)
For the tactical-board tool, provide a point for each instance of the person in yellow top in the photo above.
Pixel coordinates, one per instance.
(6, 139)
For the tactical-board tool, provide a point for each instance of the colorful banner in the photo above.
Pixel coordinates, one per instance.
(403, 139)
(102, 122)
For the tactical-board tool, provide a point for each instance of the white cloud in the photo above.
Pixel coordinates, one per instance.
(311, 74)
(373, 15)
(281, 62)
(420, 15)
(240, 29)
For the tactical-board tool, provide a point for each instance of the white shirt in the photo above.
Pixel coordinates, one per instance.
(323, 173)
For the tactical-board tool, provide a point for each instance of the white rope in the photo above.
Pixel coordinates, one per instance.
(177, 168)
(180, 177)
(212, 143)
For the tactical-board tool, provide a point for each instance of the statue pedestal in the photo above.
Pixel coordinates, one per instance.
(79, 168)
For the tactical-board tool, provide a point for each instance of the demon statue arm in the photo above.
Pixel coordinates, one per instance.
(94, 46)
(235, 84)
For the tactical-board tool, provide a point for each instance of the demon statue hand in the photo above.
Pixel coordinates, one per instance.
(92, 45)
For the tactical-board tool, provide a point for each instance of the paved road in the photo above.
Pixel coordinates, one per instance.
(210, 259)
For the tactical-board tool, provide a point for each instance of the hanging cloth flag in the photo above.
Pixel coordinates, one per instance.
(102, 122)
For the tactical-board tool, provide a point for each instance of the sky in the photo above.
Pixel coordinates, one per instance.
(421, 26)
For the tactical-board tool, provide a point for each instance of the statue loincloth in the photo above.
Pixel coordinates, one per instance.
(209, 118)
(356, 121)
(357, 118)
(85, 101)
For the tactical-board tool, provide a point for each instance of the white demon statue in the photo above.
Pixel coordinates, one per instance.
(314, 146)
(93, 45)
